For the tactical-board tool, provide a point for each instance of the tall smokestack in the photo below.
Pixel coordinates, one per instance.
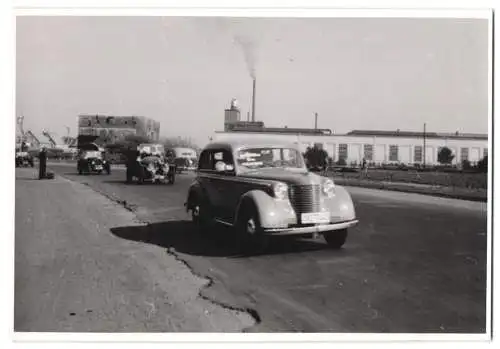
(253, 100)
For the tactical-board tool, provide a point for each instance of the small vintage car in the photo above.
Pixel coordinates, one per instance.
(185, 159)
(150, 168)
(90, 160)
(24, 159)
(263, 189)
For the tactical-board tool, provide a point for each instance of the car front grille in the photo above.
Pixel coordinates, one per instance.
(305, 198)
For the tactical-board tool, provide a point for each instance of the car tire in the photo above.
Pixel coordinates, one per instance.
(252, 238)
(200, 214)
(128, 179)
(335, 238)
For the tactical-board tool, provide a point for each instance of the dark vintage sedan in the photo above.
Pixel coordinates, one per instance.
(263, 189)
(91, 160)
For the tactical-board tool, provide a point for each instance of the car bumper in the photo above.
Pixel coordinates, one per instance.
(311, 229)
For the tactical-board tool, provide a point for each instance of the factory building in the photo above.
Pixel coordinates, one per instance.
(109, 129)
(377, 147)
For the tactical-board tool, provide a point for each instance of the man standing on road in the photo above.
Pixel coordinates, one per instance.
(42, 166)
(364, 168)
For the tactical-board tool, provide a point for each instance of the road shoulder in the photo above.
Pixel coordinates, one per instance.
(73, 275)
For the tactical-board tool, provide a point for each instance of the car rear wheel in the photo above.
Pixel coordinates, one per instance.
(200, 214)
(336, 238)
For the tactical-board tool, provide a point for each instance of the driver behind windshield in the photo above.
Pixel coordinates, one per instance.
(269, 157)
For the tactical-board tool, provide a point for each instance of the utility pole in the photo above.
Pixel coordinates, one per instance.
(424, 144)
(315, 121)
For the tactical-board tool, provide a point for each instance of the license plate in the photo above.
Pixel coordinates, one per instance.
(98, 167)
(315, 217)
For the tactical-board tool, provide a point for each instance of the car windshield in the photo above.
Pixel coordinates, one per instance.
(255, 158)
(92, 154)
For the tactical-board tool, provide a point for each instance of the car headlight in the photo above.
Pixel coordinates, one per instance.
(280, 191)
(329, 188)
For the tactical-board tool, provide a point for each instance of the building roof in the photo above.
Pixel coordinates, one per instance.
(232, 144)
(280, 130)
(412, 134)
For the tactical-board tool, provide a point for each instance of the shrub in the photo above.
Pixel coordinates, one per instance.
(466, 165)
(482, 165)
(341, 162)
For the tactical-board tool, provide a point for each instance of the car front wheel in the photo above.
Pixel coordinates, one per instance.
(336, 238)
(250, 230)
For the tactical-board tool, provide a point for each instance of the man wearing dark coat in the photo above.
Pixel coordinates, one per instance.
(42, 168)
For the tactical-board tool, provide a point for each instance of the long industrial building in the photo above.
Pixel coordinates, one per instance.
(377, 147)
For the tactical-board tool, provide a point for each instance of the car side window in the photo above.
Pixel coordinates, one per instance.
(222, 156)
(205, 162)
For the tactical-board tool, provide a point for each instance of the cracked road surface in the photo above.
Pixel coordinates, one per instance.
(73, 275)
(414, 264)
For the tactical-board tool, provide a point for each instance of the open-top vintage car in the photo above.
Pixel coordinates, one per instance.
(150, 168)
(263, 189)
(90, 160)
(24, 159)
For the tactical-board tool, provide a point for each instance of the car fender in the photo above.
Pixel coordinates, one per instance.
(261, 201)
(344, 201)
(195, 190)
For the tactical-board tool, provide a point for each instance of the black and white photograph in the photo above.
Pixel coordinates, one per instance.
(324, 173)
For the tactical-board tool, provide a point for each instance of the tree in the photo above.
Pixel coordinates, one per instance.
(445, 156)
(482, 165)
(316, 157)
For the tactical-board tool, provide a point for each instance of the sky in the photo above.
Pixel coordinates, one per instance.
(356, 73)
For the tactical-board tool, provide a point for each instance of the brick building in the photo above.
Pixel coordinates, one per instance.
(109, 129)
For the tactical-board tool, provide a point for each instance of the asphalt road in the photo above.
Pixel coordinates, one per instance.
(414, 264)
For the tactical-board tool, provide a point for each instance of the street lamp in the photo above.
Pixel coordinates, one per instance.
(424, 144)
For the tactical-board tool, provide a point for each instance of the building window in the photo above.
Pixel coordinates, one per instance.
(368, 151)
(393, 153)
(464, 154)
(343, 151)
(417, 153)
(485, 152)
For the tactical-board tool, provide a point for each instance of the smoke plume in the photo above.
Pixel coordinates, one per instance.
(248, 48)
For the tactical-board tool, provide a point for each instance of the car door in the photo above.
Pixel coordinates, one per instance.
(229, 188)
(219, 183)
(205, 173)
(212, 181)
